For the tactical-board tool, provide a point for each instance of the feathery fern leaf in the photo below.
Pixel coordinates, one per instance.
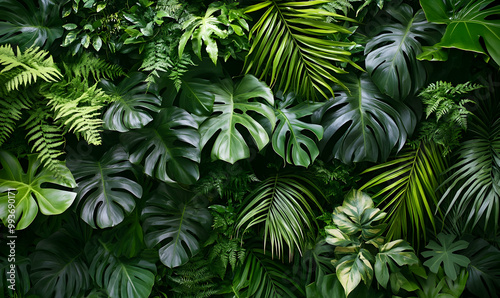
(195, 279)
(46, 138)
(11, 106)
(409, 195)
(25, 68)
(287, 48)
(89, 65)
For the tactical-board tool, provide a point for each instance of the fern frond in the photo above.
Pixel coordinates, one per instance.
(89, 65)
(80, 115)
(11, 106)
(46, 138)
(194, 279)
(25, 68)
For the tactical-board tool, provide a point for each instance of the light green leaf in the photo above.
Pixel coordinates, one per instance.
(353, 268)
(468, 24)
(231, 108)
(398, 252)
(27, 191)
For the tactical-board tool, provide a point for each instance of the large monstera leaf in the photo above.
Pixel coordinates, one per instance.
(468, 24)
(168, 147)
(178, 221)
(120, 277)
(59, 267)
(363, 125)
(105, 196)
(391, 55)
(232, 108)
(395, 252)
(132, 103)
(288, 137)
(26, 189)
(28, 24)
(353, 268)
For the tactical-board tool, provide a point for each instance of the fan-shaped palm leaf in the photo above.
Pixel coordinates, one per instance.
(282, 204)
(288, 47)
(363, 125)
(408, 194)
(473, 189)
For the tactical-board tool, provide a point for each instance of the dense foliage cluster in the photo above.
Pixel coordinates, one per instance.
(261, 148)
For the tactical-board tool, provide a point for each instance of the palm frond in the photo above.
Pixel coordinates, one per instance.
(473, 187)
(408, 194)
(289, 48)
(282, 205)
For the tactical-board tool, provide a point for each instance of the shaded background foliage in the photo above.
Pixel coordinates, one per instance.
(346, 148)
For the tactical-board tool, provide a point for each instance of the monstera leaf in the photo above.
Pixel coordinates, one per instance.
(59, 267)
(28, 24)
(358, 215)
(231, 108)
(132, 103)
(391, 55)
(469, 23)
(445, 253)
(288, 138)
(178, 221)
(168, 147)
(26, 189)
(104, 196)
(484, 268)
(395, 252)
(197, 97)
(363, 125)
(120, 277)
(353, 268)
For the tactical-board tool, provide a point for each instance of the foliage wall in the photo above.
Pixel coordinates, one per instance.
(324, 148)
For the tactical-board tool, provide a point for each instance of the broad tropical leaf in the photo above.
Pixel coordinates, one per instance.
(197, 97)
(325, 286)
(484, 268)
(22, 280)
(353, 268)
(391, 54)
(473, 185)
(445, 253)
(104, 196)
(288, 137)
(232, 108)
(283, 205)
(59, 267)
(177, 221)
(469, 24)
(120, 277)
(363, 125)
(26, 189)
(260, 276)
(168, 147)
(200, 30)
(289, 48)
(396, 252)
(409, 196)
(133, 100)
(358, 215)
(27, 23)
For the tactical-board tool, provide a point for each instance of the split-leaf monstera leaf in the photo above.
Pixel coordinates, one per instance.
(132, 104)
(288, 137)
(363, 125)
(232, 113)
(28, 192)
(391, 55)
(178, 221)
(168, 147)
(469, 23)
(105, 196)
